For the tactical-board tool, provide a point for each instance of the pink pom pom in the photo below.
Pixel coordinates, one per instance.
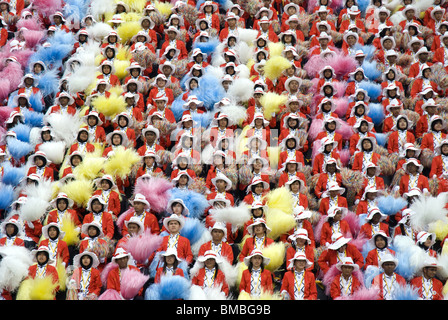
(362, 294)
(315, 128)
(353, 221)
(341, 106)
(121, 217)
(342, 64)
(105, 272)
(314, 64)
(344, 154)
(4, 111)
(30, 24)
(143, 246)
(156, 191)
(132, 281)
(33, 37)
(345, 129)
(328, 278)
(110, 294)
(340, 87)
(47, 7)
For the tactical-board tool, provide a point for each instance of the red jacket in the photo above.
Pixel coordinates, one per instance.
(114, 279)
(335, 290)
(321, 184)
(327, 232)
(107, 223)
(50, 272)
(218, 280)
(62, 250)
(325, 204)
(428, 141)
(159, 274)
(183, 248)
(372, 257)
(94, 281)
(113, 201)
(150, 222)
(422, 183)
(249, 246)
(310, 290)
(378, 282)
(437, 287)
(359, 158)
(265, 281)
(319, 160)
(392, 141)
(48, 173)
(329, 257)
(226, 250)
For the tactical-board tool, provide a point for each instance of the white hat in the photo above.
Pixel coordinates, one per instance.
(85, 227)
(185, 211)
(338, 240)
(412, 192)
(174, 217)
(221, 176)
(95, 197)
(122, 134)
(333, 186)
(140, 198)
(92, 255)
(256, 181)
(256, 252)
(120, 253)
(42, 249)
(299, 256)
(219, 226)
(136, 221)
(62, 195)
(380, 233)
(13, 222)
(388, 258)
(219, 198)
(347, 261)
(300, 234)
(151, 128)
(52, 224)
(422, 236)
(170, 252)
(414, 161)
(210, 254)
(430, 262)
(330, 161)
(250, 228)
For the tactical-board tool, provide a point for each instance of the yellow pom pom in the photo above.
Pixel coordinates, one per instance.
(281, 199)
(71, 234)
(137, 5)
(62, 275)
(241, 266)
(276, 252)
(244, 296)
(279, 222)
(121, 163)
(120, 68)
(440, 228)
(124, 53)
(127, 30)
(271, 103)
(163, 7)
(110, 106)
(89, 168)
(79, 191)
(274, 155)
(37, 289)
(275, 49)
(132, 16)
(275, 66)
(116, 90)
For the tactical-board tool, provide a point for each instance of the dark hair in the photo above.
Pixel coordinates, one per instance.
(175, 264)
(251, 266)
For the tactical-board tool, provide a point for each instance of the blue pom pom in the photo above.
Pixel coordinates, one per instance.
(407, 292)
(18, 149)
(369, 274)
(12, 175)
(193, 230)
(210, 91)
(203, 119)
(33, 119)
(381, 138)
(6, 196)
(390, 205)
(177, 107)
(362, 5)
(376, 112)
(371, 70)
(36, 102)
(208, 47)
(169, 288)
(194, 201)
(49, 82)
(22, 131)
(373, 89)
